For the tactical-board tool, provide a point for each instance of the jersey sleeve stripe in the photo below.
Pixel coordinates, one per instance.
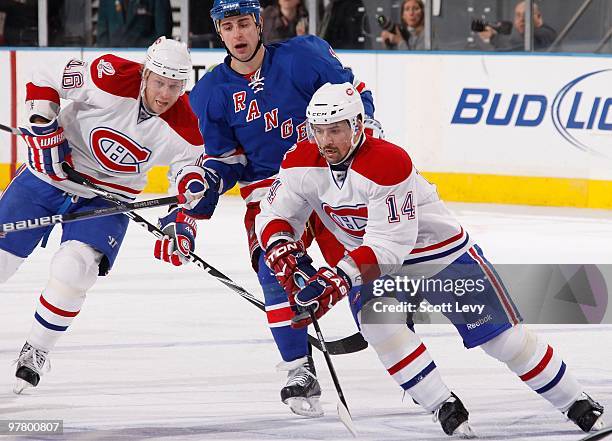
(249, 191)
(38, 93)
(367, 262)
(121, 188)
(274, 227)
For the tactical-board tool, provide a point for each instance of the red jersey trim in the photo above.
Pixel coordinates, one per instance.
(273, 227)
(35, 93)
(114, 186)
(382, 162)
(124, 82)
(435, 246)
(246, 191)
(304, 154)
(182, 120)
(366, 261)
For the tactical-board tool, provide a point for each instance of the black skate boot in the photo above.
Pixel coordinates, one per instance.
(30, 365)
(586, 413)
(453, 417)
(302, 391)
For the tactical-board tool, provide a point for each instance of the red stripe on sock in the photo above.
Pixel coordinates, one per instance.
(540, 366)
(279, 315)
(407, 360)
(56, 310)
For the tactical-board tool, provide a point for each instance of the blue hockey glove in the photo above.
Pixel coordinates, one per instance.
(180, 231)
(47, 148)
(203, 183)
(322, 291)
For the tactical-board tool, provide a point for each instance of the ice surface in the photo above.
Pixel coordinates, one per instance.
(162, 353)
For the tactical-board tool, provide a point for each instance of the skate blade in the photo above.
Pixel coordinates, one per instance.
(464, 431)
(598, 435)
(599, 424)
(308, 407)
(20, 386)
(346, 419)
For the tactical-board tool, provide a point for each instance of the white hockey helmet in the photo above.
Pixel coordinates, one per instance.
(169, 58)
(333, 103)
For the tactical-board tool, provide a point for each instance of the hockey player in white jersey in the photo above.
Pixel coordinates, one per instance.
(123, 118)
(391, 221)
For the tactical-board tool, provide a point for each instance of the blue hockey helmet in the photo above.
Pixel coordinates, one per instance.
(231, 8)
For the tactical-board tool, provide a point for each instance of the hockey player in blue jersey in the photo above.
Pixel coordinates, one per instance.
(251, 110)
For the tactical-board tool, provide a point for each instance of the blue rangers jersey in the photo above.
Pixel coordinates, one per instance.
(249, 121)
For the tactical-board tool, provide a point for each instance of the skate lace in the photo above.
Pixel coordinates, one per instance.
(299, 371)
(35, 359)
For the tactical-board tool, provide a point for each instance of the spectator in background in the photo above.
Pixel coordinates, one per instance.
(409, 34)
(283, 20)
(135, 23)
(202, 32)
(543, 35)
(20, 18)
(344, 24)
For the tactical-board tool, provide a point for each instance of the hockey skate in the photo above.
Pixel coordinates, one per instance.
(586, 413)
(453, 417)
(302, 391)
(30, 366)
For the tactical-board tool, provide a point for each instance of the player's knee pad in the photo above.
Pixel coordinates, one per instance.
(9, 263)
(74, 268)
(516, 347)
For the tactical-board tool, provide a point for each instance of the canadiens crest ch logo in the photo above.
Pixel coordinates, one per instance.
(352, 219)
(116, 152)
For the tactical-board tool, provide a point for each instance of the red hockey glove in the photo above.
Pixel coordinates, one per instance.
(47, 148)
(180, 231)
(286, 259)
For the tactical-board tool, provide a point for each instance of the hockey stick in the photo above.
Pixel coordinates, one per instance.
(347, 345)
(599, 435)
(342, 407)
(47, 221)
(12, 130)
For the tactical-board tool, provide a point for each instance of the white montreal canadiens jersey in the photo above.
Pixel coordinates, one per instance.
(383, 212)
(113, 143)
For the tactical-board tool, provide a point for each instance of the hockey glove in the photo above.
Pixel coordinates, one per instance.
(47, 148)
(180, 231)
(203, 183)
(322, 291)
(287, 260)
(373, 128)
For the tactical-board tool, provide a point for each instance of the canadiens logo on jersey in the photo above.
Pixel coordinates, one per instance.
(116, 152)
(352, 219)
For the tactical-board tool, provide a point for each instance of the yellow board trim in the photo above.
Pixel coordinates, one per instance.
(523, 190)
(5, 175)
(467, 187)
(157, 181)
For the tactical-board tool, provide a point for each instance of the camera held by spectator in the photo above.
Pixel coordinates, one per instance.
(408, 34)
(501, 27)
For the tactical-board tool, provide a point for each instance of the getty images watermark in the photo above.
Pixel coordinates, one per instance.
(405, 286)
(468, 295)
